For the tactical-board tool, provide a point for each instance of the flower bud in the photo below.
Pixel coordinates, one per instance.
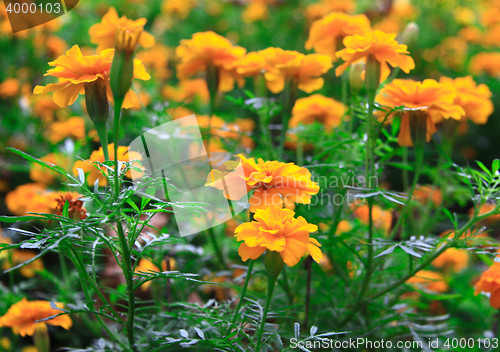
(410, 34)
(274, 264)
(41, 338)
(96, 100)
(356, 77)
(122, 68)
(373, 71)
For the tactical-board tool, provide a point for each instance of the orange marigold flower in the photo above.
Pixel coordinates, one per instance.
(44, 107)
(43, 175)
(376, 45)
(103, 33)
(30, 198)
(317, 108)
(256, 10)
(304, 71)
(9, 87)
(20, 256)
(429, 280)
(157, 58)
(474, 98)
(187, 90)
(206, 51)
(96, 172)
(252, 64)
(74, 127)
(179, 8)
(452, 259)
(75, 71)
(382, 219)
(490, 282)
(76, 210)
(271, 181)
(324, 7)
(486, 208)
(488, 63)
(428, 193)
(277, 230)
(326, 34)
(147, 267)
(429, 99)
(22, 317)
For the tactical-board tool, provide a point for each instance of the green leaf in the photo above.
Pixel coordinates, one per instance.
(13, 219)
(495, 166)
(484, 168)
(133, 205)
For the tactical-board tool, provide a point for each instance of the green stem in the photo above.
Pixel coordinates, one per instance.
(405, 171)
(243, 292)
(372, 82)
(85, 278)
(286, 286)
(271, 282)
(308, 290)
(419, 159)
(498, 323)
(102, 132)
(217, 249)
(288, 100)
(127, 271)
(116, 132)
(64, 273)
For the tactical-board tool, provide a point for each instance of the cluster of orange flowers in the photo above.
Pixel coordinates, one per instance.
(274, 185)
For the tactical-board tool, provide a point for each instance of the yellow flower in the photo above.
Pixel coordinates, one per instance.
(400, 13)
(256, 10)
(206, 51)
(75, 71)
(488, 63)
(452, 259)
(324, 7)
(187, 90)
(277, 230)
(103, 34)
(317, 108)
(9, 87)
(74, 127)
(382, 219)
(44, 107)
(43, 175)
(428, 193)
(157, 58)
(271, 181)
(76, 211)
(146, 266)
(490, 282)
(252, 64)
(20, 256)
(304, 71)
(429, 280)
(239, 130)
(326, 34)
(30, 197)
(22, 317)
(430, 99)
(96, 172)
(179, 8)
(474, 98)
(376, 45)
